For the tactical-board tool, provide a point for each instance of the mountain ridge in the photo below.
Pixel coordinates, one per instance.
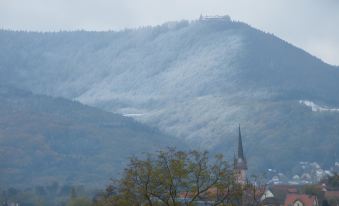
(194, 80)
(45, 140)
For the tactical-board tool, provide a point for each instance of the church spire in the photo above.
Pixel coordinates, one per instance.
(240, 160)
(240, 148)
(240, 163)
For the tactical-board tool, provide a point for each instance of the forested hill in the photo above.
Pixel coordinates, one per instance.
(45, 140)
(194, 80)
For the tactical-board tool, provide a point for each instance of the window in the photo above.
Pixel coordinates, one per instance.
(298, 203)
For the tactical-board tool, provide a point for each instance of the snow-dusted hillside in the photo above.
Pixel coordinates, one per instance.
(194, 80)
(318, 108)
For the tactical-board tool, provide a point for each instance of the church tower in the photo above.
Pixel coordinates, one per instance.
(240, 163)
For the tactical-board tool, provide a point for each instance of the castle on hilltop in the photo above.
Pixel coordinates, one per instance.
(240, 162)
(214, 18)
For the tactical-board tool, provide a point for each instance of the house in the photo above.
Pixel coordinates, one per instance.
(294, 199)
(283, 195)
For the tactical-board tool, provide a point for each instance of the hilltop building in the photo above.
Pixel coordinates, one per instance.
(240, 163)
(214, 18)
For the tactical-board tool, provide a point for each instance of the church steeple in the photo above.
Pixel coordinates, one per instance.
(240, 162)
(240, 149)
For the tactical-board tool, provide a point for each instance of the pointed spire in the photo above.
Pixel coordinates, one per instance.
(234, 160)
(240, 160)
(240, 148)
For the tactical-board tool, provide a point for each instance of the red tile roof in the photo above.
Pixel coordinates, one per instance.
(332, 194)
(292, 190)
(307, 200)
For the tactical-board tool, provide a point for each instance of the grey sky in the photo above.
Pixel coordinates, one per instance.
(310, 24)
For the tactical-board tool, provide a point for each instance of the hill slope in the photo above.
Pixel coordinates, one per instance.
(44, 139)
(194, 80)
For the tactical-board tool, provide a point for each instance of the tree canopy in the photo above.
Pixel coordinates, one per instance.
(173, 178)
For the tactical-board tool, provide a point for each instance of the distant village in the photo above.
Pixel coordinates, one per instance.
(313, 187)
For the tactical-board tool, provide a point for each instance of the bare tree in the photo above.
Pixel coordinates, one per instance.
(254, 190)
(174, 178)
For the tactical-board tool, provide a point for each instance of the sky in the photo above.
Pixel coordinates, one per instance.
(312, 25)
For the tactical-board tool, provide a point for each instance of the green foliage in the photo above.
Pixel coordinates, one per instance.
(79, 201)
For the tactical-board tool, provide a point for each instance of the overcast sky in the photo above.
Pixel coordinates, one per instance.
(310, 24)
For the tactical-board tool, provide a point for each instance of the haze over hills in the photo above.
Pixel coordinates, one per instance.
(44, 139)
(193, 80)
